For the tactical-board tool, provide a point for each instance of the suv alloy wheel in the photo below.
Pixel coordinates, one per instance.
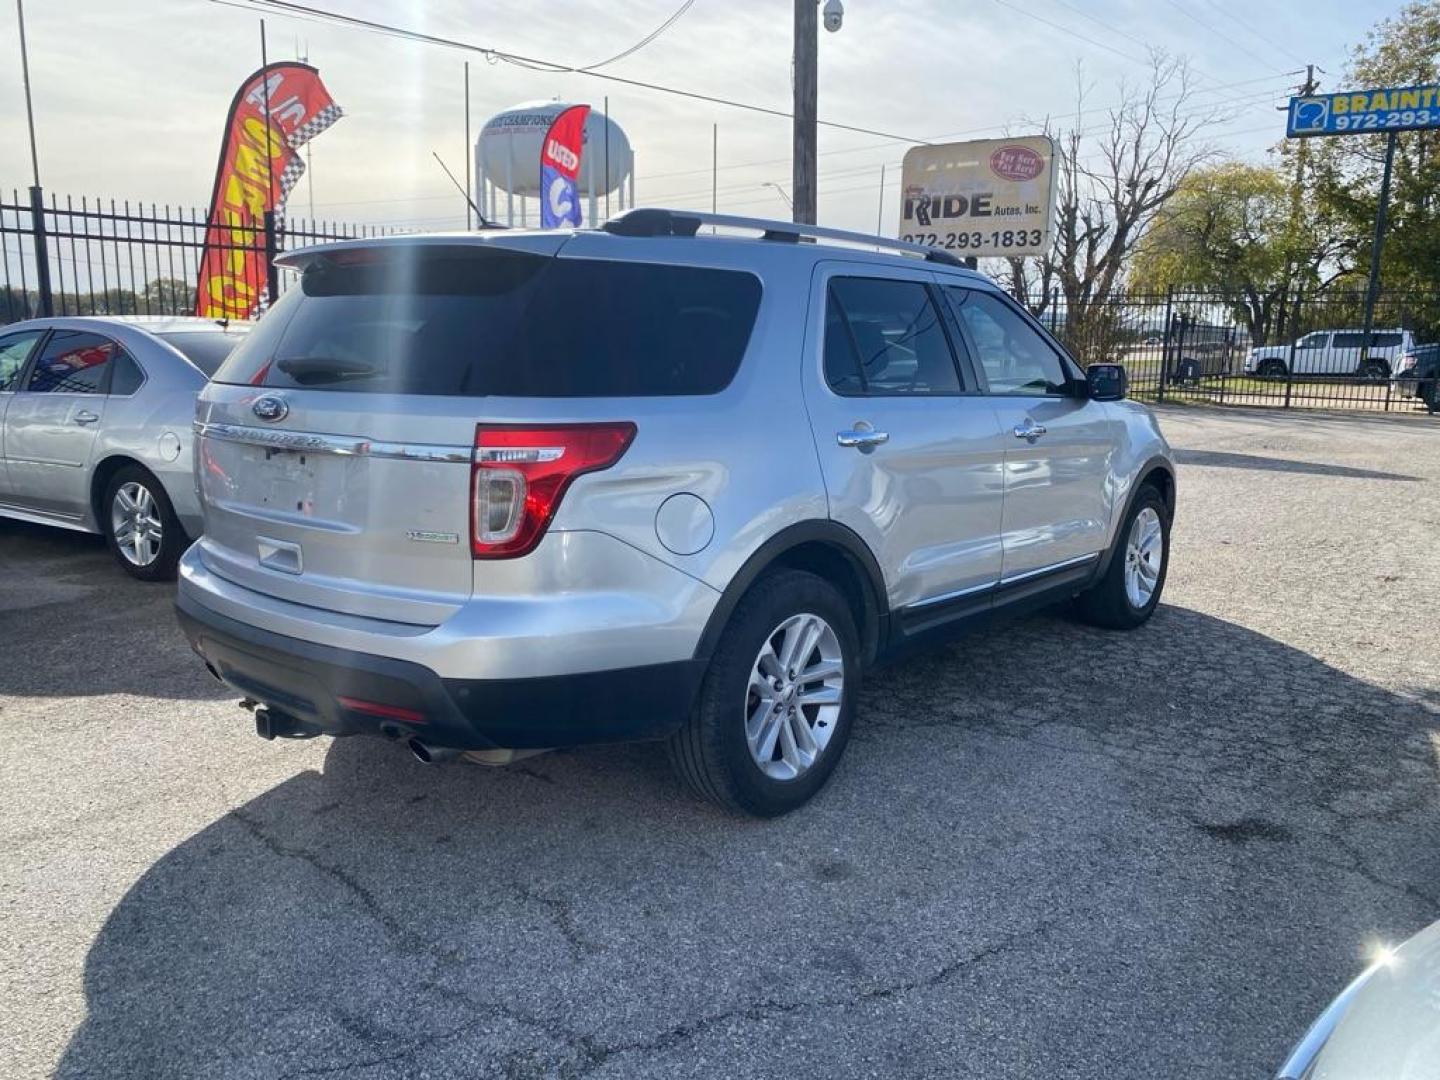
(776, 706)
(1130, 590)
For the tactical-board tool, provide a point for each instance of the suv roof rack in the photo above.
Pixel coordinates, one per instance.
(656, 221)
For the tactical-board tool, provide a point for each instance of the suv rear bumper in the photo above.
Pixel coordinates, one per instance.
(307, 681)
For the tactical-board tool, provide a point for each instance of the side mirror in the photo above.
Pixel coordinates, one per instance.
(1107, 382)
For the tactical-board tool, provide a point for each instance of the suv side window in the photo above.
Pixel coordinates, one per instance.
(1348, 341)
(883, 338)
(15, 349)
(1015, 357)
(74, 362)
(1313, 341)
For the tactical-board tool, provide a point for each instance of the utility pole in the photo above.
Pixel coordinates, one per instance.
(1297, 196)
(805, 79)
(1302, 160)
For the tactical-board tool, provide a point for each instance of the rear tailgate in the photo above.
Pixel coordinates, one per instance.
(338, 506)
(334, 446)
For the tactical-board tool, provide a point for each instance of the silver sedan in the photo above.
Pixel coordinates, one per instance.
(95, 427)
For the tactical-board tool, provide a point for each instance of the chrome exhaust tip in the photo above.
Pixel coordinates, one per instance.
(431, 755)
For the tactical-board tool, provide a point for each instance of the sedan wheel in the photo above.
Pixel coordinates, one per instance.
(141, 526)
(136, 525)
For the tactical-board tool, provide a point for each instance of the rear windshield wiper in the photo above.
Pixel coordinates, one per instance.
(323, 369)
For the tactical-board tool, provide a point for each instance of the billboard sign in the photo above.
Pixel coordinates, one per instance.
(1362, 112)
(986, 197)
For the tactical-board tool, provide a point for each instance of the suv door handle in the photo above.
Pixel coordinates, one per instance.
(1029, 430)
(85, 416)
(861, 438)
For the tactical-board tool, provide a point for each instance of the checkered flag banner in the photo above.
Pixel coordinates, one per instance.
(295, 167)
(276, 111)
(314, 126)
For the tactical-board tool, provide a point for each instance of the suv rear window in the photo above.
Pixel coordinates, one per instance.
(468, 321)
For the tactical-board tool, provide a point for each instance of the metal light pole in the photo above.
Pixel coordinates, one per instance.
(1372, 288)
(469, 156)
(37, 197)
(782, 193)
(25, 76)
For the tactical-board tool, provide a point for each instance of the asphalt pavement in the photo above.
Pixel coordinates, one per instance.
(1051, 851)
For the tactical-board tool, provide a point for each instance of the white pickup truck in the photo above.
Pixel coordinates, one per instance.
(1332, 352)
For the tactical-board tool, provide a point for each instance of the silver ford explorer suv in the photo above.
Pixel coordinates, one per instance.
(516, 490)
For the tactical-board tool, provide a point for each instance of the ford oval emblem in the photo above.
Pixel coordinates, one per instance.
(270, 408)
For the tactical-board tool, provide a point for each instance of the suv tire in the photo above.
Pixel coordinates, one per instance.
(1271, 368)
(135, 499)
(1373, 371)
(1112, 601)
(733, 728)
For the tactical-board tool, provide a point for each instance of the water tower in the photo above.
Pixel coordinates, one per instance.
(507, 163)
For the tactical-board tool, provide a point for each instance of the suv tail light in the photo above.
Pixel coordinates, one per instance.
(521, 473)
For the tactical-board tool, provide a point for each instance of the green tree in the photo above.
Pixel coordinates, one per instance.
(1247, 232)
(106, 302)
(168, 296)
(17, 304)
(1403, 50)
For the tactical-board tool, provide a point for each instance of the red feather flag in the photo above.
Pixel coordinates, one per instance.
(259, 164)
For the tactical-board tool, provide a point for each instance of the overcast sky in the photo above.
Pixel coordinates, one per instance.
(130, 96)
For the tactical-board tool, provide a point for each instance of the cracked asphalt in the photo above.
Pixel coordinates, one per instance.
(1051, 851)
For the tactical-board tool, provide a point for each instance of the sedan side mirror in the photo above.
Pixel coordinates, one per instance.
(1107, 382)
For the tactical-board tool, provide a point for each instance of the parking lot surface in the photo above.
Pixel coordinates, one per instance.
(1051, 851)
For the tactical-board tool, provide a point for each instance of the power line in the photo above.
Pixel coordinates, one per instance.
(646, 40)
(947, 136)
(1211, 27)
(1272, 42)
(1195, 108)
(1101, 22)
(1068, 32)
(532, 63)
(1190, 111)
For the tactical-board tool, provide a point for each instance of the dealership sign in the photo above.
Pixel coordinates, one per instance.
(1358, 112)
(987, 197)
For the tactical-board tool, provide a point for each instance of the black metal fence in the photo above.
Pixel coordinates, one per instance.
(109, 257)
(1230, 349)
(90, 256)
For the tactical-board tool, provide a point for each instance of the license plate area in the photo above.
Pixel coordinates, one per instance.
(286, 480)
(318, 489)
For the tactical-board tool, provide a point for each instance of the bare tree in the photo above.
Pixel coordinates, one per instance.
(1112, 178)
